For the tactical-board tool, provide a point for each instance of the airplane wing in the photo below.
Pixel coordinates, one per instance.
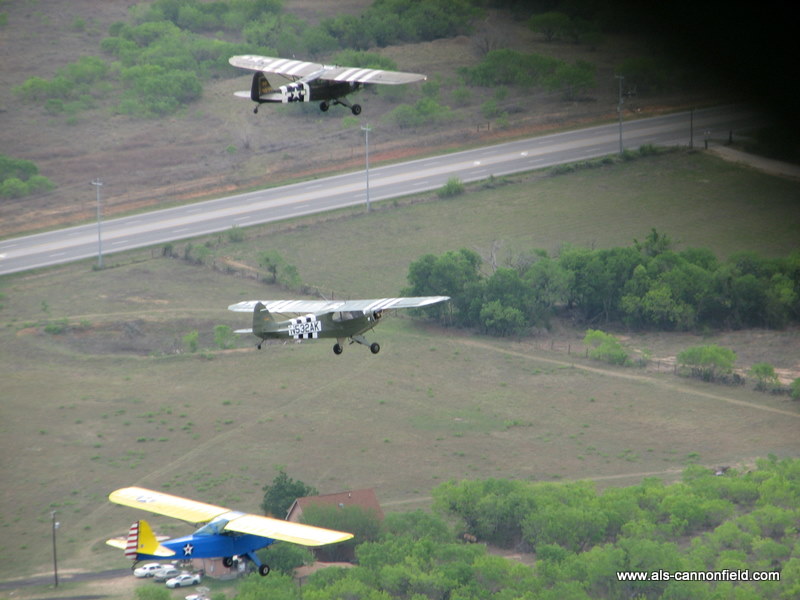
(200, 512)
(281, 66)
(166, 504)
(308, 71)
(326, 306)
(286, 531)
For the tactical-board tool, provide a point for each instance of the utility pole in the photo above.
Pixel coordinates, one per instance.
(98, 184)
(366, 131)
(621, 79)
(55, 561)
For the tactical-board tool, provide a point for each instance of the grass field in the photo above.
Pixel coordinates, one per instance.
(116, 400)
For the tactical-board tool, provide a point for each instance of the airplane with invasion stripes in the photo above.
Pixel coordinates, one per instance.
(340, 319)
(312, 82)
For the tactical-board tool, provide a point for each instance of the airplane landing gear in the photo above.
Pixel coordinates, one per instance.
(375, 347)
(337, 348)
(263, 568)
(354, 108)
(227, 562)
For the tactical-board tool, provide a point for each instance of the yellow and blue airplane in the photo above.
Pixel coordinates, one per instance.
(224, 533)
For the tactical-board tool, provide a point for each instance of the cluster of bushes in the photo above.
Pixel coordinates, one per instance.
(582, 538)
(75, 87)
(263, 22)
(509, 67)
(706, 522)
(20, 178)
(163, 54)
(707, 362)
(647, 285)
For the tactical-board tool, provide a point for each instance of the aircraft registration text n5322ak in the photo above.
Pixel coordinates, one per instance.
(343, 320)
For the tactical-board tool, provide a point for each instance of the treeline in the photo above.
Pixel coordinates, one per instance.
(647, 285)
(711, 521)
(19, 177)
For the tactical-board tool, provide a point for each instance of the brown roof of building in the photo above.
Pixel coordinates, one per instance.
(366, 499)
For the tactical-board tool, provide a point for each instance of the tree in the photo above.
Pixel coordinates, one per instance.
(224, 337)
(454, 274)
(551, 25)
(707, 362)
(190, 340)
(573, 80)
(283, 491)
(765, 375)
(605, 347)
(497, 319)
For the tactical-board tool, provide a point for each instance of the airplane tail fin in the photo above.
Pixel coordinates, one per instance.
(260, 86)
(142, 540)
(262, 319)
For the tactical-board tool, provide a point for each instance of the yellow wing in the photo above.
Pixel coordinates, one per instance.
(286, 531)
(166, 504)
(200, 512)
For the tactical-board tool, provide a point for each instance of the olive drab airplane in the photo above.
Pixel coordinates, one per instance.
(225, 533)
(312, 82)
(340, 319)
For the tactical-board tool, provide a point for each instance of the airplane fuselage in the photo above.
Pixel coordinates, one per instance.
(329, 325)
(211, 546)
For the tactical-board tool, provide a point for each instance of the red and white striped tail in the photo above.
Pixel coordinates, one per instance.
(132, 544)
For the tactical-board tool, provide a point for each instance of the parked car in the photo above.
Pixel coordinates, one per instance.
(165, 572)
(201, 594)
(147, 570)
(183, 580)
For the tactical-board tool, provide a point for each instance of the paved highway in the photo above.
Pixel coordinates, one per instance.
(158, 227)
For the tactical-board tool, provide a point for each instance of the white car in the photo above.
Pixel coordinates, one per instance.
(183, 580)
(202, 594)
(147, 570)
(165, 572)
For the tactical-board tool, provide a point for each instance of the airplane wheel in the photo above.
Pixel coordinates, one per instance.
(337, 348)
(356, 109)
(324, 106)
(227, 562)
(375, 347)
(263, 570)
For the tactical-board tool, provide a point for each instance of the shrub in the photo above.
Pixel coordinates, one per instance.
(707, 362)
(605, 347)
(453, 187)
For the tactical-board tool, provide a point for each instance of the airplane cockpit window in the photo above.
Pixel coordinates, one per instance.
(214, 527)
(346, 315)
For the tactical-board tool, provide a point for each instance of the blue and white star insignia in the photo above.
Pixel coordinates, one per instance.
(187, 550)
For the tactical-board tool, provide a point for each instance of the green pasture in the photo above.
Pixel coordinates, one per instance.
(109, 396)
(695, 198)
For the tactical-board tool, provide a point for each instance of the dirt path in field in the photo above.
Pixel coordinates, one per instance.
(765, 165)
(631, 377)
